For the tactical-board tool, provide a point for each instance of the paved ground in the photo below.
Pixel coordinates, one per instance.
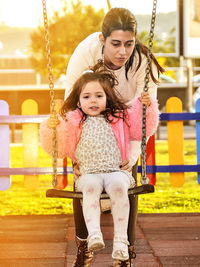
(162, 240)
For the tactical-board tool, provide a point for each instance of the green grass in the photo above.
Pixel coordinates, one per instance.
(21, 201)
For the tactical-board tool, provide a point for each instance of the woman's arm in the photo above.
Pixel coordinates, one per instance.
(84, 56)
(135, 145)
(77, 64)
(135, 119)
(140, 75)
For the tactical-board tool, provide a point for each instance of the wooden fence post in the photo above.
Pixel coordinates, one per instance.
(5, 181)
(175, 141)
(197, 109)
(30, 143)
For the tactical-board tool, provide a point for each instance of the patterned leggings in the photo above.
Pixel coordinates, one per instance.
(116, 185)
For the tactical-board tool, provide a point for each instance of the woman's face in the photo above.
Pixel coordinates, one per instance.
(118, 48)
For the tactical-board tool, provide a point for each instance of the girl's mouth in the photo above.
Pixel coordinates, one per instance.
(93, 108)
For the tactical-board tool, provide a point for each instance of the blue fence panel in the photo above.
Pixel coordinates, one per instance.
(185, 116)
(197, 109)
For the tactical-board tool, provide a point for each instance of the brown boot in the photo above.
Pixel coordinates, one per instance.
(127, 263)
(132, 254)
(118, 263)
(84, 257)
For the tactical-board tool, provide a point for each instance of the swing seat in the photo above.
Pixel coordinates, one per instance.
(138, 190)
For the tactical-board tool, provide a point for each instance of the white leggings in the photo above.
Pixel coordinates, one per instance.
(116, 185)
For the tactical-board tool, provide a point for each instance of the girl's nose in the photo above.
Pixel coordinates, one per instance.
(93, 99)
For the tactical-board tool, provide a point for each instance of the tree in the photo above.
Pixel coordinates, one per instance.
(163, 46)
(66, 31)
(144, 37)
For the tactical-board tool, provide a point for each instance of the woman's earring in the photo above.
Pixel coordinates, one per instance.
(103, 55)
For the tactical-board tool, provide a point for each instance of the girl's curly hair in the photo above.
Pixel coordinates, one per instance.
(115, 106)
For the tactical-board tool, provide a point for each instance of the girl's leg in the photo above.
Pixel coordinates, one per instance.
(116, 185)
(133, 199)
(91, 185)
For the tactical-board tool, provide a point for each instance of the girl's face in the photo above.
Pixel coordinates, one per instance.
(118, 48)
(92, 99)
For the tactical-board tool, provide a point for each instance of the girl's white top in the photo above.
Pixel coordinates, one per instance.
(97, 150)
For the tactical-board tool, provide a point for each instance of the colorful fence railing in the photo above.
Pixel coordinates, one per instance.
(174, 118)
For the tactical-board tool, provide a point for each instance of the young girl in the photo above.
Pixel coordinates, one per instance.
(95, 131)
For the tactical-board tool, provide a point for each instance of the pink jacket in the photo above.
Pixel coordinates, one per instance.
(69, 131)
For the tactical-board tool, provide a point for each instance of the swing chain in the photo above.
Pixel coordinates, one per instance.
(52, 95)
(144, 178)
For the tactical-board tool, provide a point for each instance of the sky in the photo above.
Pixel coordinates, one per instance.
(28, 13)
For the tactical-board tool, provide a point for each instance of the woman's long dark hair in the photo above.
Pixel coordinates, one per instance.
(115, 106)
(123, 19)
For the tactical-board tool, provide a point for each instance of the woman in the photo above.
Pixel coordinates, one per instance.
(121, 51)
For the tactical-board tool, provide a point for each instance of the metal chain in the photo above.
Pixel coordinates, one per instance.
(52, 95)
(144, 178)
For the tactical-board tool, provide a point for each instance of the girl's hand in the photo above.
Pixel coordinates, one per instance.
(145, 99)
(76, 170)
(125, 165)
(53, 121)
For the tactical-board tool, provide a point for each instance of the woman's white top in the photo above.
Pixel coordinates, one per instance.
(87, 53)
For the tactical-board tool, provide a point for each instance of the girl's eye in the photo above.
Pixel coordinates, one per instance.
(86, 97)
(99, 96)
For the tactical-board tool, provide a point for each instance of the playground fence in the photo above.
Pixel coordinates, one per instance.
(30, 121)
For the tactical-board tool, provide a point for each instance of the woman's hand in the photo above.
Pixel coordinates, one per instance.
(53, 121)
(76, 170)
(145, 99)
(125, 165)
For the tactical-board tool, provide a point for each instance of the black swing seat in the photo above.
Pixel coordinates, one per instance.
(57, 193)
